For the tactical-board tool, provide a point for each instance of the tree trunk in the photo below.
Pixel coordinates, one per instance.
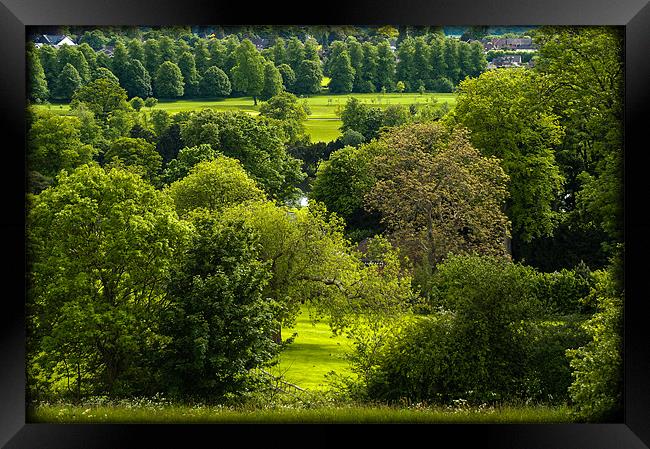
(78, 382)
(254, 100)
(277, 336)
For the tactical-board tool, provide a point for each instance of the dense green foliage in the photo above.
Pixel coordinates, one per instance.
(462, 250)
(169, 81)
(598, 365)
(101, 244)
(374, 62)
(55, 144)
(528, 133)
(216, 293)
(102, 97)
(213, 185)
(257, 143)
(487, 340)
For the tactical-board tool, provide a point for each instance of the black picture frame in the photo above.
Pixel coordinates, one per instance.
(17, 15)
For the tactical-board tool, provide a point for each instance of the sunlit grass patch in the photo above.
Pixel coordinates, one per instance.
(314, 353)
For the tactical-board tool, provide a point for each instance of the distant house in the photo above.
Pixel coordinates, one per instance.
(108, 50)
(505, 61)
(53, 40)
(260, 43)
(502, 43)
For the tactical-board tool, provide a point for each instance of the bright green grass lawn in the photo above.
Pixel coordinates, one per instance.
(323, 123)
(323, 130)
(313, 353)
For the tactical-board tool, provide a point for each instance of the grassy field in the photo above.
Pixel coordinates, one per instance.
(313, 353)
(334, 414)
(323, 123)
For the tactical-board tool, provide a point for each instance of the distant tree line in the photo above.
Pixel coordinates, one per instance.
(161, 65)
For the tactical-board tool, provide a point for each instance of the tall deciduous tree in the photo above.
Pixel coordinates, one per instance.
(215, 83)
(169, 81)
(221, 275)
(67, 83)
(54, 144)
(308, 77)
(259, 143)
(47, 55)
(214, 185)
(437, 194)
(450, 52)
(272, 81)
(421, 63)
(248, 72)
(355, 49)
(37, 82)
(340, 71)
(406, 64)
(90, 55)
(152, 56)
(187, 65)
(101, 96)
(288, 76)
(201, 56)
(295, 53)
(311, 50)
(101, 243)
(136, 49)
(120, 61)
(386, 64)
(586, 73)
(528, 132)
(370, 64)
(311, 261)
(290, 113)
(342, 181)
(168, 49)
(478, 63)
(68, 54)
(136, 80)
(187, 158)
(279, 51)
(136, 153)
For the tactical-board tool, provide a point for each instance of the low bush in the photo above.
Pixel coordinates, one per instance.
(597, 367)
(548, 374)
(562, 291)
(490, 338)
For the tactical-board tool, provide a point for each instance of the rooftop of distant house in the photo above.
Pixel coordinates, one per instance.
(55, 40)
(497, 43)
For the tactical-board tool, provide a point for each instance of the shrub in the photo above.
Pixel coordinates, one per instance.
(416, 364)
(474, 347)
(150, 102)
(137, 103)
(352, 138)
(443, 85)
(562, 291)
(596, 390)
(548, 374)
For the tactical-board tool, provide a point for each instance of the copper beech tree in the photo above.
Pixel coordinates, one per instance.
(436, 194)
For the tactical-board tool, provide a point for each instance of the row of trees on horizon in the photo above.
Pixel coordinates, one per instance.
(169, 68)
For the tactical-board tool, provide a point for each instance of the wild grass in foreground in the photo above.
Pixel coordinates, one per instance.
(288, 414)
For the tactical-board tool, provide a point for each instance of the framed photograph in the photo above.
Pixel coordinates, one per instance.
(232, 222)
